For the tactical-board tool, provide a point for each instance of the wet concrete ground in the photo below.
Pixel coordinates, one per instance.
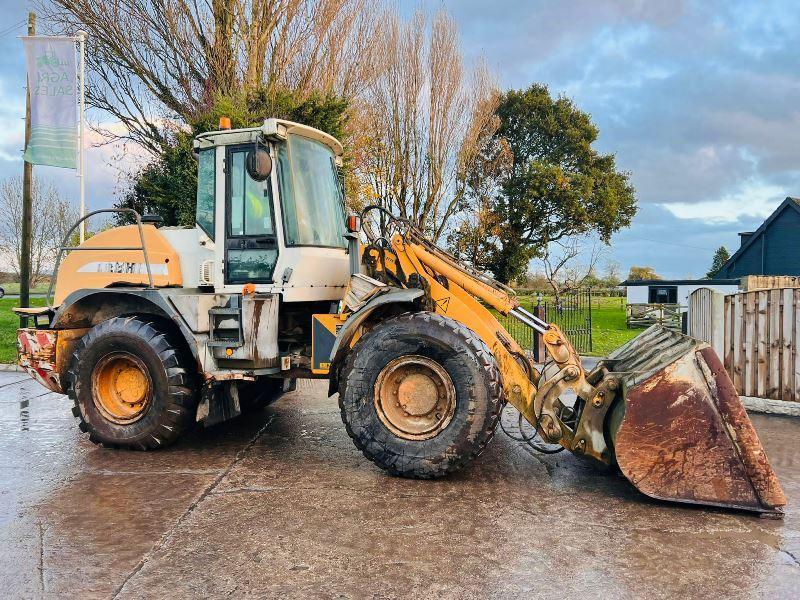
(282, 505)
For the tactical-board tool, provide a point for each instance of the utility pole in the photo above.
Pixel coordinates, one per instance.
(27, 201)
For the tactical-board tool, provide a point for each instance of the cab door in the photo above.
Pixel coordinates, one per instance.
(251, 243)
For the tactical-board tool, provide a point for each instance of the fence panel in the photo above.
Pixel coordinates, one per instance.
(573, 314)
(645, 315)
(749, 341)
(775, 316)
(761, 341)
(752, 283)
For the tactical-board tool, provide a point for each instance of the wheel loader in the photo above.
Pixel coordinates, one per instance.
(150, 330)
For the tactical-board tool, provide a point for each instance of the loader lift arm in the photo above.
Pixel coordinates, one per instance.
(661, 408)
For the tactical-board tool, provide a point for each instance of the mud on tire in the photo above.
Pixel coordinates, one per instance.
(476, 382)
(171, 402)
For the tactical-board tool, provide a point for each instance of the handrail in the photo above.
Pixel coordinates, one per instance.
(64, 247)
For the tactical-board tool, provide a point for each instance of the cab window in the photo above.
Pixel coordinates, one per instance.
(251, 247)
(311, 199)
(206, 183)
(251, 201)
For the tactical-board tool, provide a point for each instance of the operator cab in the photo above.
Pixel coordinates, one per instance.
(270, 212)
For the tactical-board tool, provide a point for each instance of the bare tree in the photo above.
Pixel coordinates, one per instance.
(425, 117)
(52, 218)
(612, 273)
(472, 228)
(418, 116)
(478, 226)
(155, 64)
(569, 262)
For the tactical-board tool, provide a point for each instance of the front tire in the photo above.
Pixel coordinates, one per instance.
(421, 395)
(130, 385)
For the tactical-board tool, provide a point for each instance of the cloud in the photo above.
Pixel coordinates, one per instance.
(674, 246)
(753, 199)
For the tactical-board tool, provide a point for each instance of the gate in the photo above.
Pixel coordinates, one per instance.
(706, 318)
(573, 314)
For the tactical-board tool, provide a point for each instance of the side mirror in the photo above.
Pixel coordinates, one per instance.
(258, 164)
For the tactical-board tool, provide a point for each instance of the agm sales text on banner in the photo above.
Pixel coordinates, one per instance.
(53, 86)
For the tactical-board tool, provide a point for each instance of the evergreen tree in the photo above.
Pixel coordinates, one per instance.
(721, 256)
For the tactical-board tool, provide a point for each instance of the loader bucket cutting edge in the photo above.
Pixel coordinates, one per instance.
(684, 435)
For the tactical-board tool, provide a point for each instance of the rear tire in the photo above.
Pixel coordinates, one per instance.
(131, 385)
(409, 365)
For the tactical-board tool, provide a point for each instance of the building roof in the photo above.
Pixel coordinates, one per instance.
(749, 240)
(708, 282)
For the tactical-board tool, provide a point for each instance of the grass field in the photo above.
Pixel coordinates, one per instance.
(8, 328)
(609, 330)
(13, 288)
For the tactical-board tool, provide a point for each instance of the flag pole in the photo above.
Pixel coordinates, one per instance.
(27, 202)
(82, 174)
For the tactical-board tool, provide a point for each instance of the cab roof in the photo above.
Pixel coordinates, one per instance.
(275, 129)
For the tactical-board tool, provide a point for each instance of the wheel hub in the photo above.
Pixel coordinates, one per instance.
(415, 397)
(121, 387)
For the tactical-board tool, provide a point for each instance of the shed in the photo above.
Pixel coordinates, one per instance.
(673, 291)
(772, 249)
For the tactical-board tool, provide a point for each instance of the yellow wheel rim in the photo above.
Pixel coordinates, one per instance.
(414, 397)
(121, 387)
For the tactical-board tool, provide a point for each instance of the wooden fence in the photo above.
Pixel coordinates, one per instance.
(645, 315)
(761, 341)
(706, 318)
(752, 283)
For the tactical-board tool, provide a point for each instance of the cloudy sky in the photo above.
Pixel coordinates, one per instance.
(698, 100)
